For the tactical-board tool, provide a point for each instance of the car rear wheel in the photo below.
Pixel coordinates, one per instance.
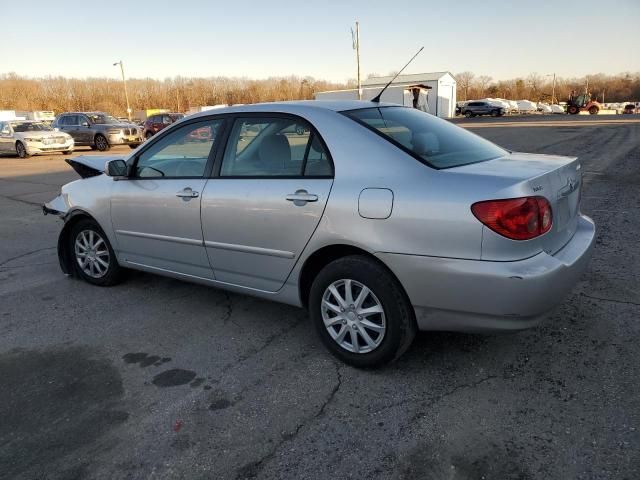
(593, 110)
(93, 258)
(495, 113)
(573, 110)
(133, 146)
(21, 150)
(101, 143)
(361, 312)
(468, 114)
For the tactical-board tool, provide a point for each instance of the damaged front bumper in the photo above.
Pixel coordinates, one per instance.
(58, 206)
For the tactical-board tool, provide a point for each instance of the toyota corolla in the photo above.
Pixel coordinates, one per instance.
(380, 220)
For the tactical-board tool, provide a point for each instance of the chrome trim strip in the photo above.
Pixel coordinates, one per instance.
(246, 249)
(164, 238)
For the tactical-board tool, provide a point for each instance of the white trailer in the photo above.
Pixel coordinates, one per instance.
(47, 116)
(8, 115)
(399, 94)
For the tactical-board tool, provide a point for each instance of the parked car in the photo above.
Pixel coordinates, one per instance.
(495, 241)
(472, 109)
(98, 130)
(157, 122)
(28, 137)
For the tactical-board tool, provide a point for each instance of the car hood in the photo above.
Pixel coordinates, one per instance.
(41, 134)
(90, 165)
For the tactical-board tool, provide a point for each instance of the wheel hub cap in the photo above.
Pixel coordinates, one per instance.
(92, 253)
(353, 316)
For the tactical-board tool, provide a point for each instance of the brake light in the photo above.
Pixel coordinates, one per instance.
(516, 218)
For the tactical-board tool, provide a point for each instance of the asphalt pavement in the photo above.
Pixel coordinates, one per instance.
(162, 379)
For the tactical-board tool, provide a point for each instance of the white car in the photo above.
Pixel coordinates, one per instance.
(30, 137)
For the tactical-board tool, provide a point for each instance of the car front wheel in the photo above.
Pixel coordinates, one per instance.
(21, 150)
(468, 114)
(101, 143)
(93, 258)
(361, 312)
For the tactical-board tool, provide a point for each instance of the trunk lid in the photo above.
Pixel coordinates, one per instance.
(557, 178)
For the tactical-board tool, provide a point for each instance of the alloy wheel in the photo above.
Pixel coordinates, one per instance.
(92, 253)
(353, 316)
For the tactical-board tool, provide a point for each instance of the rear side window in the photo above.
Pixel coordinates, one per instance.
(431, 140)
(274, 147)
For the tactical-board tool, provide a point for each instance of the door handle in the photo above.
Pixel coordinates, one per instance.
(187, 193)
(301, 197)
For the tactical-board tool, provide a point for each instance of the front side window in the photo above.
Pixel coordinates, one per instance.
(102, 119)
(431, 140)
(183, 153)
(4, 128)
(274, 147)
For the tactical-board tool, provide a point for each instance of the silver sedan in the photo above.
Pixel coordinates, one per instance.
(379, 219)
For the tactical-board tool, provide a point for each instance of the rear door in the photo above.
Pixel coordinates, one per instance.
(265, 202)
(156, 212)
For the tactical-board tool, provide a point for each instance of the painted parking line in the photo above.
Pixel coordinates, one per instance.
(595, 123)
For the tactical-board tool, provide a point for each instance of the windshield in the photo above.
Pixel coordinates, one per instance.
(102, 118)
(431, 140)
(30, 127)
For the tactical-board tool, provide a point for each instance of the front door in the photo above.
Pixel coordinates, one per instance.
(261, 210)
(156, 212)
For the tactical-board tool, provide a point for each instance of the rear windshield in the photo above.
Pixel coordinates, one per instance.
(431, 140)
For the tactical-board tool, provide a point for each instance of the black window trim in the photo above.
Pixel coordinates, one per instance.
(168, 131)
(398, 144)
(214, 162)
(290, 116)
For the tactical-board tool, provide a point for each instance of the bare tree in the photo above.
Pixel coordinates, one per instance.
(464, 80)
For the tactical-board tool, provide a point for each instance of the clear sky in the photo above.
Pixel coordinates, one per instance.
(258, 39)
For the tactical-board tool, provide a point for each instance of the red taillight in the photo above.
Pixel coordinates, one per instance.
(516, 218)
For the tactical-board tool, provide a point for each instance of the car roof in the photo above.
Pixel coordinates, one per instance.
(296, 107)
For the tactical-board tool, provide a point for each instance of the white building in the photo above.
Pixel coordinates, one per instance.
(442, 93)
(402, 95)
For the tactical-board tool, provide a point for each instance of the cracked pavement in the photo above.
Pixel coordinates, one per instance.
(163, 379)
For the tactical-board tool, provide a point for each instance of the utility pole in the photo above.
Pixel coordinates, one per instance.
(126, 95)
(355, 37)
(553, 90)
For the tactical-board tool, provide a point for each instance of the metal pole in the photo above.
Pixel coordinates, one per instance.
(126, 94)
(358, 59)
(553, 90)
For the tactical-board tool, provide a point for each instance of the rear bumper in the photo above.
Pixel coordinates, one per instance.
(473, 296)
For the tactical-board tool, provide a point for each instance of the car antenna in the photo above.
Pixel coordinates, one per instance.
(376, 99)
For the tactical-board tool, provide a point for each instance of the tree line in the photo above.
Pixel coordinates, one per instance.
(176, 94)
(539, 88)
(179, 94)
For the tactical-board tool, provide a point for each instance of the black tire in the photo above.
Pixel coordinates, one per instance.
(400, 323)
(133, 146)
(593, 110)
(468, 114)
(101, 143)
(573, 110)
(114, 273)
(21, 150)
(148, 135)
(67, 152)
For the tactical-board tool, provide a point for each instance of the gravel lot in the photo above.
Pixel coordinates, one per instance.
(160, 379)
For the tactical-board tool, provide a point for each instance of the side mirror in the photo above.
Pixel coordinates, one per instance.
(118, 169)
